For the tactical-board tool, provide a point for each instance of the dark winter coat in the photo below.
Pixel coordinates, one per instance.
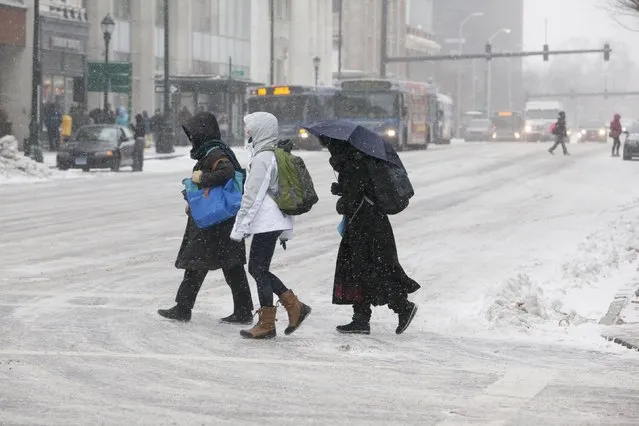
(210, 248)
(139, 129)
(368, 269)
(561, 130)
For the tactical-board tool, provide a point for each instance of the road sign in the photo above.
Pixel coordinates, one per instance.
(237, 73)
(119, 75)
(160, 89)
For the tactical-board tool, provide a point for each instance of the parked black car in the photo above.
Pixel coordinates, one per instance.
(479, 129)
(630, 139)
(100, 146)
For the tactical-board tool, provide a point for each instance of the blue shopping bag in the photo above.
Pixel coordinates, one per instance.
(211, 206)
(341, 228)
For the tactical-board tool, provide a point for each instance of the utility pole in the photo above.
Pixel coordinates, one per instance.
(384, 40)
(166, 135)
(339, 40)
(33, 145)
(272, 59)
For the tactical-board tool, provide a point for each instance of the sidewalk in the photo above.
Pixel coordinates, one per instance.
(622, 319)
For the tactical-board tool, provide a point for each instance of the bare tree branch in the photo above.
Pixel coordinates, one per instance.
(628, 5)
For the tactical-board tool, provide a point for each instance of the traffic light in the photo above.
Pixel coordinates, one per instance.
(546, 50)
(489, 51)
(606, 52)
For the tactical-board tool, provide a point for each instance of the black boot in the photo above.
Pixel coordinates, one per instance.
(361, 320)
(177, 313)
(242, 300)
(245, 318)
(355, 327)
(406, 315)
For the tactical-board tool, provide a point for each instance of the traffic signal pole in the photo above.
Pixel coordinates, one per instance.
(493, 55)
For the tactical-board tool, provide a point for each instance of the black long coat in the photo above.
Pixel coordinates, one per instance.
(368, 269)
(210, 248)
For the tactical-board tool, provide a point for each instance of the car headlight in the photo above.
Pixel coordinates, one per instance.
(583, 131)
(303, 134)
(391, 133)
(602, 132)
(494, 135)
(569, 132)
(623, 130)
(528, 128)
(109, 153)
(517, 135)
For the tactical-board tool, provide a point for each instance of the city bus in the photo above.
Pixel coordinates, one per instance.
(294, 107)
(398, 111)
(508, 126)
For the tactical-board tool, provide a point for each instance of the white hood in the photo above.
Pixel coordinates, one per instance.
(264, 129)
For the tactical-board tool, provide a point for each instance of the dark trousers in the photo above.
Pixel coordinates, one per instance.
(559, 141)
(616, 144)
(262, 250)
(362, 311)
(235, 278)
(53, 135)
(138, 154)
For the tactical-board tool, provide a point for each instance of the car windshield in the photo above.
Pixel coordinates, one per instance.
(287, 109)
(367, 105)
(482, 123)
(542, 114)
(96, 134)
(634, 128)
(593, 125)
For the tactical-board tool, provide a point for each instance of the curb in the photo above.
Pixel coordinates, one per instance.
(623, 342)
(166, 157)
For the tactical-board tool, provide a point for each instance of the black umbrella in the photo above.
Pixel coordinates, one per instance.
(364, 140)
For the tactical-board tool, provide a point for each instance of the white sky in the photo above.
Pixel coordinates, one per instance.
(568, 19)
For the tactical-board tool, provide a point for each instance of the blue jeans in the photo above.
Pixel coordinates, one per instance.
(260, 256)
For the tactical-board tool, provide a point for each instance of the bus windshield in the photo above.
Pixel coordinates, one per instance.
(367, 104)
(287, 109)
(542, 114)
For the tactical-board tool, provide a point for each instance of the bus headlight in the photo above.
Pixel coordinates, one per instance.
(528, 128)
(583, 132)
(517, 135)
(494, 135)
(303, 134)
(391, 133)
(602, 132)
(569, 132)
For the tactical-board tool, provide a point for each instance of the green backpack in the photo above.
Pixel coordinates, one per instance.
(296, 192)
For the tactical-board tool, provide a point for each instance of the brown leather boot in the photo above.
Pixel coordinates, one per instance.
(297, 311)
(265, 327)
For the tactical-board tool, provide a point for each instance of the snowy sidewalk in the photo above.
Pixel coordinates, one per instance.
(622, 318)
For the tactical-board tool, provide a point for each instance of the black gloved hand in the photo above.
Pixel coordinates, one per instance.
(336, 189)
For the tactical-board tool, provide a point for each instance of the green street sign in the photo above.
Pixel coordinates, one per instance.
(118, 73)
(237, 73)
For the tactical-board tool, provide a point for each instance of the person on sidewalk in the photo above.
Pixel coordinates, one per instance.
(561, 134)
(261, 218)
(616, 129)
(139, 130)
(367, 270)
(209, 249)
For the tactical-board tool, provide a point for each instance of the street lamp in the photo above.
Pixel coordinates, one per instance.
(107, 25)
(316, 64)
(489, 71)
(32, 146)
(460, 41)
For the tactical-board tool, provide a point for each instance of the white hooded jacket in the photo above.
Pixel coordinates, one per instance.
(259, 212)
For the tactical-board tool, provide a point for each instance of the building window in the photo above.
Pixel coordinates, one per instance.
(159, 13)
(122, 9)
(201, 17)
(282, 9)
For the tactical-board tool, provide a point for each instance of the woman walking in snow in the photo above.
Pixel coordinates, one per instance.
(209, 249)
(368, 271)
(261, 218)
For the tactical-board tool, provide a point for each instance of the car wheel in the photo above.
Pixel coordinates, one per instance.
(63, 167)
(115, 164)
(86, 169)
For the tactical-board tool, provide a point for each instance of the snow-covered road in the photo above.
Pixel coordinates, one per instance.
(506, 240)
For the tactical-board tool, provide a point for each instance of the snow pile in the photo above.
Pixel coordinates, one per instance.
(15, 167)
(584, 290)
